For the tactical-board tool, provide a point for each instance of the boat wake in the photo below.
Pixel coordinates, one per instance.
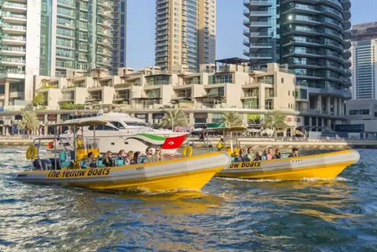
(252, 180)
(338, 179)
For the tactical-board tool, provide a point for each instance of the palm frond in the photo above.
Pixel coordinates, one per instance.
(232, 119)
(174, 118)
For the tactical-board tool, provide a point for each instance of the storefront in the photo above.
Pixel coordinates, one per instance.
(52, 119)
(200, 120)
(156, 117)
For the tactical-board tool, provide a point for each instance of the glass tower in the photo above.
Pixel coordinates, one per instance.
(185, 33)
(77, 34)
(312, 39)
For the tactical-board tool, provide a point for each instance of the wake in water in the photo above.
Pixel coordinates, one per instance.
(337, 179)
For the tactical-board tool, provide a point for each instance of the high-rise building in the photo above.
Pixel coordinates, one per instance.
(82, 35)
(364, 60)
(48, 37)
(365, 31)
(185, 33)
(312, 38)
(364, 68)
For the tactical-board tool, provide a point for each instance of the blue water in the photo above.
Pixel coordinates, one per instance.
(228, 215)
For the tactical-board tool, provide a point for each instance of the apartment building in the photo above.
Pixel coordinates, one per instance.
(185, 33)
(204, 95)
(312, 38)
(46, 37)
(364, 60)
(364, 67)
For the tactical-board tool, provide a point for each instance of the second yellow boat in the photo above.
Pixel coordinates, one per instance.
(321, 166)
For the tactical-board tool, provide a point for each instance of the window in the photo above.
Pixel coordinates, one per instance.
(118, 125)
(282, 80)
(103, 127)
(136, 124)
(289, 93)
(359, 112)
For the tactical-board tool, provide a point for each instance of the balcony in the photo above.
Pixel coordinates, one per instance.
(260, 24)
(15, 7)
(14, 18)
(15, 51)
(248, 3)
(67, 3)
(12, 61)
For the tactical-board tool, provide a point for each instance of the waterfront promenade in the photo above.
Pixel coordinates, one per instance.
(245, 142)
(261, 143)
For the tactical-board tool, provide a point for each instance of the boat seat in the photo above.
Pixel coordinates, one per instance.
(83, 165)
(100, 163)
(42, 164)
(63, 159)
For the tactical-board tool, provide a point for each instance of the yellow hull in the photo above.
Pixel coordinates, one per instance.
(322, 166)
(321, 172)
(189, 181)
(188, 173)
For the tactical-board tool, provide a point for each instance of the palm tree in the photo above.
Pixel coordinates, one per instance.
(29, 122)
(232, 119)
(174, 118)
(275, 120)
(255, 119)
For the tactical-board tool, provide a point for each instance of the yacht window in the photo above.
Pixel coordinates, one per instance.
(136, 124)
(118, 125)
(103, 127)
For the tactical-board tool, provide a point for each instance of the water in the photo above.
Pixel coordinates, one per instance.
(228, 215)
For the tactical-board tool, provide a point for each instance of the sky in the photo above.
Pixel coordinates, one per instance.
(141, 28)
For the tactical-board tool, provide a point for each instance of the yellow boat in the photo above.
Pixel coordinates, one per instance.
(188, 173)
(66, 168)
(321, 166)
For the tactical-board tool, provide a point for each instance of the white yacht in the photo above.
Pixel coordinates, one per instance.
(128, 133)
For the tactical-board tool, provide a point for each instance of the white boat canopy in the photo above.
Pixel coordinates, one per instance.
(82, 122)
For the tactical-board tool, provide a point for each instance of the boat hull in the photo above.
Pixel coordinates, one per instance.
(322, 166)
(177, 174)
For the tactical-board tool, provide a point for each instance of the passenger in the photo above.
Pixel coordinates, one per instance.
(157, 155)
(242, 156)
(220, 144)
(250, 155)
(130, 158)
(107, 161)
(122, 154)
(137, 158)
(294, 152)
(258, 157)
(269, 154)
(90, 161)
(149, 155)
(277, 154)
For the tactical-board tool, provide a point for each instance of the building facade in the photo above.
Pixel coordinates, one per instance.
(204, 95)
(185, 33)
(312, 38)
(363, 112)
(364, 67)
(46, 37)
(364, 60)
